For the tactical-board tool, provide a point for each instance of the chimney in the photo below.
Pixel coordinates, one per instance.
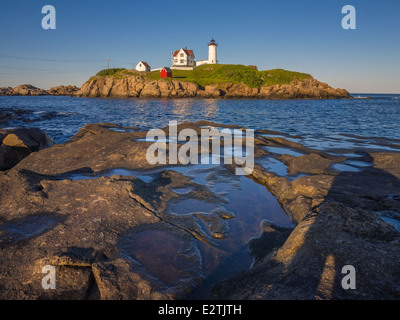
(185, 48)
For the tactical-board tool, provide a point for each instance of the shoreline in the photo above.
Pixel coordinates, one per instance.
(129, 86)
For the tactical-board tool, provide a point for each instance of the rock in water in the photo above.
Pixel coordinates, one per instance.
(5, 116)
(28, 90)
(62, 90)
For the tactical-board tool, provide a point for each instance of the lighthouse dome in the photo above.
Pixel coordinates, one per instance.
(212, 43)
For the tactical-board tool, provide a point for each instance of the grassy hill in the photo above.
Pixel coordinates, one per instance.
(222, 73)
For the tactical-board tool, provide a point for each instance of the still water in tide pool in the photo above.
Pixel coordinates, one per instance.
(172, 254)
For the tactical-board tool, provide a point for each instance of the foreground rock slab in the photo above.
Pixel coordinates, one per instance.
(92, 208)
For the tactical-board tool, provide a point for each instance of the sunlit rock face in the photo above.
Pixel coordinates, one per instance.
(138, 86)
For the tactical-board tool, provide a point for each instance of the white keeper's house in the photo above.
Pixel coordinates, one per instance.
(183, 58)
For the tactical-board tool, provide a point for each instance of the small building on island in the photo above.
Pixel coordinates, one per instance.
(166, 73)
(183, 58)
(143, 66)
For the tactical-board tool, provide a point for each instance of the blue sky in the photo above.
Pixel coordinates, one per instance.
(303, 36)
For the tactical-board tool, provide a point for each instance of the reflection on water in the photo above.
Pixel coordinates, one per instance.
(344, 168)
(190, 206)
(142, 175)
(358, 163)
(391, 217)
(283, 151)
(273, 165)
(334, 143)
(168, 256)
(181, 190)
(223, 222)
(249, 203)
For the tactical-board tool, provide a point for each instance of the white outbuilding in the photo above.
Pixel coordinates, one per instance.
(143, 66)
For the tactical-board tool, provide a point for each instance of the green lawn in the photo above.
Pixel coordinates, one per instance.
(221, 73)
(109, 72)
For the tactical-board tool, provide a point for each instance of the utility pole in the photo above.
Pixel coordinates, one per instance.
(133, 66)
(108, 66)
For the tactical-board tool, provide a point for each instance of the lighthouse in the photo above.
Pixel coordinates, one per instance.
(212, 52)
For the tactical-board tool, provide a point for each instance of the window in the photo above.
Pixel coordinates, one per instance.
(182, 61)
(182, 54)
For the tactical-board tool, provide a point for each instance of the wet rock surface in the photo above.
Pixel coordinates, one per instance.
(116, 227)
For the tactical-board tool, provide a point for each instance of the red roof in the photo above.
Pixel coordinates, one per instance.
(188, 52)
(145, 64)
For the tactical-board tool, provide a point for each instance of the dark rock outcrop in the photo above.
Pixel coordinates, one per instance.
(5, 116)
(16, 144)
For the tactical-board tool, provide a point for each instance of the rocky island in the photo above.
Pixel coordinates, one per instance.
(209, 81)
(96, 210)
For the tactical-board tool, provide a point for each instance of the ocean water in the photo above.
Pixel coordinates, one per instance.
(61, 117)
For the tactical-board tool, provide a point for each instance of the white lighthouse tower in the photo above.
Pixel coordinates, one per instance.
(212, 52)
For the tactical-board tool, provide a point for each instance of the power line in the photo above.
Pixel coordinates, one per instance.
(52, 60)
(39, 73)
(45, 70)
(122, 62)
(58, 60)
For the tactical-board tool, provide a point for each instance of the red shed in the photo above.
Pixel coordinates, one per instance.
(166, 73)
